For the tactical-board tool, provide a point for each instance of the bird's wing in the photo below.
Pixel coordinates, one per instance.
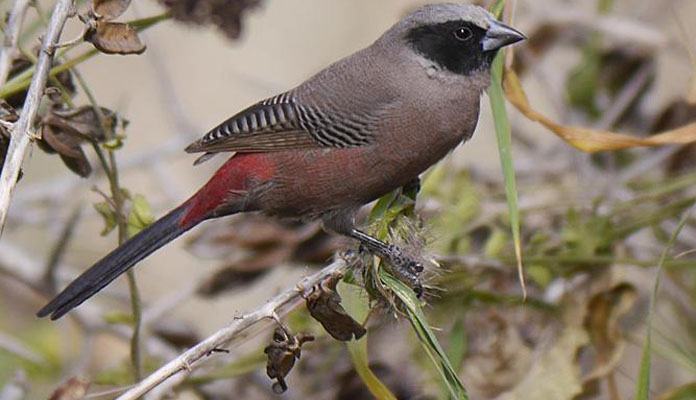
(283, 123)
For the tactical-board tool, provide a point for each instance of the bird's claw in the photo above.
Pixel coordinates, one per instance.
(401, 261)
(405, 268)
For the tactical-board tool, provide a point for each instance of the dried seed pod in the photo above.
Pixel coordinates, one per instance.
(109, 9)
(324, 304)
(111, 37)
(64, 132)
(282, 353)
(114, 38)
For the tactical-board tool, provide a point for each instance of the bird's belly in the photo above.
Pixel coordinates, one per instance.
(311, 183)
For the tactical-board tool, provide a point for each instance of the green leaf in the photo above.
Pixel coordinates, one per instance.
(356, 305)
(382, 206)
(108, 215)
(359, 358)
(140, 216)
(502, 130)
(643, 382)
(425, 335)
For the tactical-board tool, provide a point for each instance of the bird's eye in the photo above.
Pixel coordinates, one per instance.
(463, 34)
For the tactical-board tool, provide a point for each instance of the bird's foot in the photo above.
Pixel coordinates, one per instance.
(396, 257)
(404, 267)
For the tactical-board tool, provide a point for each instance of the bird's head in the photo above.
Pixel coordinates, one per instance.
(458, 38)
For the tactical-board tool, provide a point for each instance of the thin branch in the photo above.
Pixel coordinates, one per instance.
(278, 305)
(21, 136)
(9, 47)
(110, 168)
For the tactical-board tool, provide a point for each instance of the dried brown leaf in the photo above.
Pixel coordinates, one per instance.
(679, 112)
(324, 304)
(115, 38)
(74, 389)
(109, 9)
(602, 323)
(592, 140)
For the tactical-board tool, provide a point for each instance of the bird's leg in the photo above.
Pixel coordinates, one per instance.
(404, 266)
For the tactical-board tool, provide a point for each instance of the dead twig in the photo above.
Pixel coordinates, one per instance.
(278, 305)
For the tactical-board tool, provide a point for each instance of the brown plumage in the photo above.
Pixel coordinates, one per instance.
(364, 126)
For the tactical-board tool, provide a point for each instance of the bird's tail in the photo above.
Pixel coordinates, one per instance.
(117, 262)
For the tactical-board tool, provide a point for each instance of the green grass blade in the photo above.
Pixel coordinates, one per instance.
(356, 305)
(425, 335)
(502, 133)
(643, 382)
(358, 355)
(502, 130)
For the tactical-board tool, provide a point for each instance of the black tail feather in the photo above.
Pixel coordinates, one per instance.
(116, 263)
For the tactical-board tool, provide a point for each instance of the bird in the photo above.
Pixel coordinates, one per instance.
(364, 126)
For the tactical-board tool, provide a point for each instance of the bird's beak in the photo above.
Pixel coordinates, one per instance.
(500, 35)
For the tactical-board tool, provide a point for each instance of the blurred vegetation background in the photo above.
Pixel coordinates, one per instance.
(594, 228)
